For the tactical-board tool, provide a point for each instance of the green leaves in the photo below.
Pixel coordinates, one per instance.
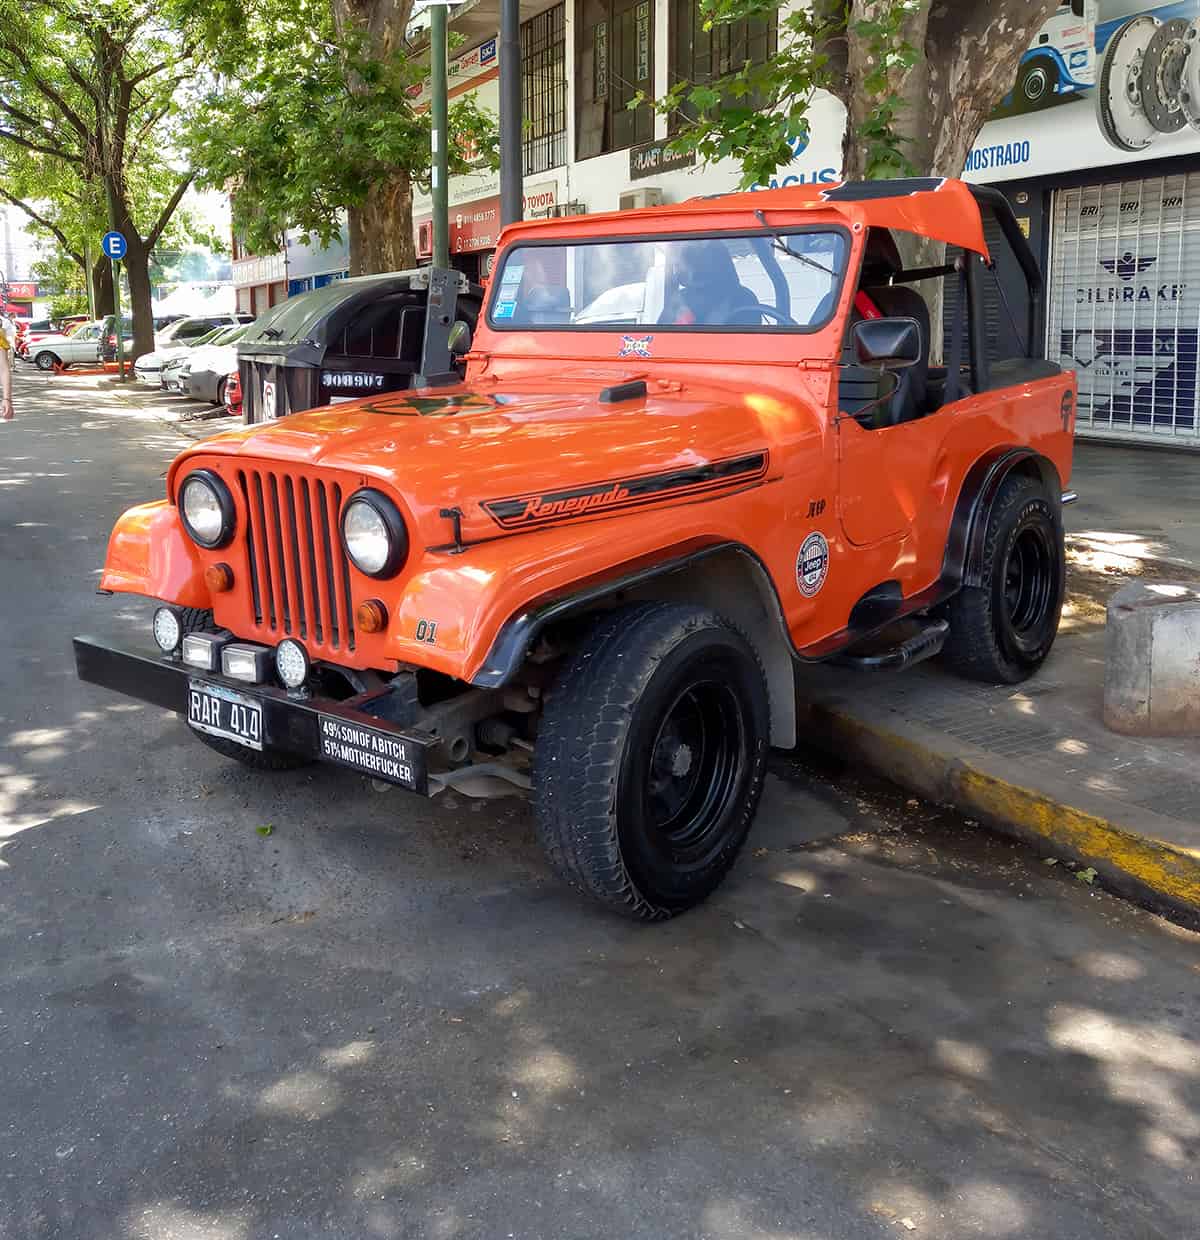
(304, 118)
(758, 114)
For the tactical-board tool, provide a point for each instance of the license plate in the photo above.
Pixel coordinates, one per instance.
(219, 711)
(371, 751)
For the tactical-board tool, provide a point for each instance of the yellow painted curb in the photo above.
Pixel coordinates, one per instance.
(1155, 873)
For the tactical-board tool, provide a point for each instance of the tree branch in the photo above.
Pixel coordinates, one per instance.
(45, 223)
(44, 88)
(8, 136)
(164, 217)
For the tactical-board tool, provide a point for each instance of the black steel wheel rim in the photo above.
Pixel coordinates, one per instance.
(1029, 584)
(696, 763)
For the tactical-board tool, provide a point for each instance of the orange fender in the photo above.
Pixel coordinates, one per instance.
(150, 553)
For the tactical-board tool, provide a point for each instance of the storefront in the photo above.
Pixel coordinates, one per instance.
(1105, 170)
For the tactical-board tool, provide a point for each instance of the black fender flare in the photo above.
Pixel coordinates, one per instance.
(963, 561)
(518, 633)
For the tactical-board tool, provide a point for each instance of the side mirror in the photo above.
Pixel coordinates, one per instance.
(458, 340)
(890, 343)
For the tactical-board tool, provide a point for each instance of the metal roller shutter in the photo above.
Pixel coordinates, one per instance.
(1124, 306)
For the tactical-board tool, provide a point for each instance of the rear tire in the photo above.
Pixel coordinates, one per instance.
(220, 396)
(650, 758)
(1002, 631)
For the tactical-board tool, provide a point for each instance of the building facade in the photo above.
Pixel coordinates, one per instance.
(264, 280)
(1098, 148)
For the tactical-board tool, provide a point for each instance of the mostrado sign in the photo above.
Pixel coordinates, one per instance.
(1105, 81)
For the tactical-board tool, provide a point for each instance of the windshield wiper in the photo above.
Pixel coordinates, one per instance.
(777, 240)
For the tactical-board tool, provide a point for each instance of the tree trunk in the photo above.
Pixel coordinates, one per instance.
(969, 54)
(137, 268)
(102, 286)
(381, 231)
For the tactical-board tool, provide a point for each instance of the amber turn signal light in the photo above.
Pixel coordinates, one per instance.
(218, 578)
(371, 616)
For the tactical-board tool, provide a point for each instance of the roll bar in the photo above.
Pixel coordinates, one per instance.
(1001, 209)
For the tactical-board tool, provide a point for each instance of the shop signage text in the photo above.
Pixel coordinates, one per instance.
(652, 158)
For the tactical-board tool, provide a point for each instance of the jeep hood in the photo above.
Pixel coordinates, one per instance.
(514, 460)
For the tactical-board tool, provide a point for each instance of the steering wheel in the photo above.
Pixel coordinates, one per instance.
(760, 310)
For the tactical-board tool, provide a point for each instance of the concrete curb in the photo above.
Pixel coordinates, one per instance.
(1125, 846)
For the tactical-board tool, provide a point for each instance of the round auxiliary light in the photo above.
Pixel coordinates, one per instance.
(374, 534)
(168, 632)
(207, 509)
(291, 663)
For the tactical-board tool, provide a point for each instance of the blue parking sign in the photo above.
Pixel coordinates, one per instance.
(114, 246)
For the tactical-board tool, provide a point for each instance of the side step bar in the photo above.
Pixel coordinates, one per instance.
(919, 646)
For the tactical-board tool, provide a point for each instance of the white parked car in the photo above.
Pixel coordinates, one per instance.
(177, 338)
(80, 347)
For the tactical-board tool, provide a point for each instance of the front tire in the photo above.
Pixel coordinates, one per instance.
(1002, 631)
(650, 758)
(45, 361)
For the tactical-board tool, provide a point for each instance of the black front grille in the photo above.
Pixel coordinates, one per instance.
(299, 573)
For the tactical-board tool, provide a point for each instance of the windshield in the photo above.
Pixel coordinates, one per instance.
(740, 283)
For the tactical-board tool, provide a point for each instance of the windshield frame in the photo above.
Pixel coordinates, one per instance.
(769, 235)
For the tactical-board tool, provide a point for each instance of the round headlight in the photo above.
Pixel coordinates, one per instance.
(168, 632)
(207, 509)
(373, 534)
(291, 663)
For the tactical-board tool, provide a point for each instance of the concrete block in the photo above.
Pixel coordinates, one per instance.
(1152, 661)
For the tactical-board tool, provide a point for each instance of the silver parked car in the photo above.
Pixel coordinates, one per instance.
(81, 346)
(206, 370)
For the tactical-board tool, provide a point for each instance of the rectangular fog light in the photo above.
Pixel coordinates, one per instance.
(243, 661)
(203, 650)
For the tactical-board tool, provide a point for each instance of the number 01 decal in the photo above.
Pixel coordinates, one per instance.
(427, 631)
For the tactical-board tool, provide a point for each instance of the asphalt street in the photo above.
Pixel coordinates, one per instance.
(385, 1018)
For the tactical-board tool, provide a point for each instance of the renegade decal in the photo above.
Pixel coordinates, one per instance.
(812, 565)
(635, 346)
(524, 511)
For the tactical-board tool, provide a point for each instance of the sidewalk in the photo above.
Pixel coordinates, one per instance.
(1035, 760)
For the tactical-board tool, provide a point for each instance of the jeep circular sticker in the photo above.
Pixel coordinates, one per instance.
(812, 565)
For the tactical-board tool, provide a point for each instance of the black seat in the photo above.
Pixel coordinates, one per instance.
(911, 397)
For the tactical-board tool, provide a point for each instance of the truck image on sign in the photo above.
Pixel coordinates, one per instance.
(1060, 61)
(589, 571)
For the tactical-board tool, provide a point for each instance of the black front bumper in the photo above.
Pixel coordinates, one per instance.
(315, 728)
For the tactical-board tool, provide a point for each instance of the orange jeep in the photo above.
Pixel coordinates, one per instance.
(695, 447)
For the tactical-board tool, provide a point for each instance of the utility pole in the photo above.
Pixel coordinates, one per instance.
(512, 205)
(438, 106)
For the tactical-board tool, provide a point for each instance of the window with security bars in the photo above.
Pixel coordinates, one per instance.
(1124, 305)
(544, 90)
(614, 62)
(703, 56)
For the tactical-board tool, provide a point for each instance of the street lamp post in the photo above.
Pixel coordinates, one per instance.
(511, 146)
(439, 138)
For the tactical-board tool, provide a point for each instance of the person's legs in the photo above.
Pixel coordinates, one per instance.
(6, 406)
